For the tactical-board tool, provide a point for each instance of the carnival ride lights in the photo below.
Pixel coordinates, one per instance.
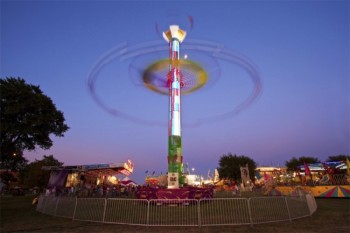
(175, 76)
(203, 72)
(174, 36)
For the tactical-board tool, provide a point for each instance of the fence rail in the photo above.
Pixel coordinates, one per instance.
(184, 212)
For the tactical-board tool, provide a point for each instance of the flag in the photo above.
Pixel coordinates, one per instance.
(347, 166)
(216, 175)
(244, 173)
(307, 170)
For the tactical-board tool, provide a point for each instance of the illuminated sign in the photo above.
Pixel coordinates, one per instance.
(173, 180)
(129, 166)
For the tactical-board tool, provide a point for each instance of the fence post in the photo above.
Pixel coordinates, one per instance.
(290, 218)
(104, 210)
(147, 223)
(45, 204)
(75, 207)
(58, 199)
(199, 212)
(250, 213)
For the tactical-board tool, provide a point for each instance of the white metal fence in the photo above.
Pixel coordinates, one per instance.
(225, 211)
(184, 212)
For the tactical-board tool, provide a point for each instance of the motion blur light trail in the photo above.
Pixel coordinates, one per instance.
(193, 76)
(145, 68)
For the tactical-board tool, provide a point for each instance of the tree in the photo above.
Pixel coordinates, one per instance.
(7, 177)
(293, 163)
(16, 163)
(33, 175)
(229, 166)
(28, 118)
(338, 158)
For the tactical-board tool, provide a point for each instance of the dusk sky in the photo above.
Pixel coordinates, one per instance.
(300, 50)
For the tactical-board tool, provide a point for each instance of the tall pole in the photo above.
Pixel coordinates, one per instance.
(174, 36)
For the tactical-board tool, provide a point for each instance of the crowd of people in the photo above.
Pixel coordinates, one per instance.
(109, 191)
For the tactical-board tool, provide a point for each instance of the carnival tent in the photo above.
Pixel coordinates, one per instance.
(62, 176)
(127, 182)
(337, 191)
(320, 167)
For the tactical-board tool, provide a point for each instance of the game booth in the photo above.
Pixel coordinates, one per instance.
(87, 176)
(324, 179)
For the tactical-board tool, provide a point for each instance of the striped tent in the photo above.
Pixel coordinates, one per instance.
(337, 191)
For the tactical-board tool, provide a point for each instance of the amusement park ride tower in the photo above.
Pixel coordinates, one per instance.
(174, 36)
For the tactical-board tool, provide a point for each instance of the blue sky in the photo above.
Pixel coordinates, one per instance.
(300, 49)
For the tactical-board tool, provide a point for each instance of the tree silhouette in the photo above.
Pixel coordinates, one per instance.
(33, 175)
(28, 118)
(338, 158)
(229, 166)
(293, 163)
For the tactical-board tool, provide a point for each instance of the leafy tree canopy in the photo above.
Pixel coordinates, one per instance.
(33, 175)
(28, 118)
(7, 177)
(293, 163)
(229, 166)
(338, 158)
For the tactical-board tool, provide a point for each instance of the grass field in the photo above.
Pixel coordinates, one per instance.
(19, 215)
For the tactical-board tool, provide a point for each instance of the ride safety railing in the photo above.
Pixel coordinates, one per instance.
(180, 212)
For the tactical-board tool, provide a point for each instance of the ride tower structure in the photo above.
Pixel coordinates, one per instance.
(174, 36)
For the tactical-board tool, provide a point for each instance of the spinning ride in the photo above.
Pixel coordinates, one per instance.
(174, 76)
(174, 37)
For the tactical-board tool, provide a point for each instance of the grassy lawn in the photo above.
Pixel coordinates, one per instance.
(19, 215)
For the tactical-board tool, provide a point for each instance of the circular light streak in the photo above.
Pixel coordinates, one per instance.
(195, 74)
